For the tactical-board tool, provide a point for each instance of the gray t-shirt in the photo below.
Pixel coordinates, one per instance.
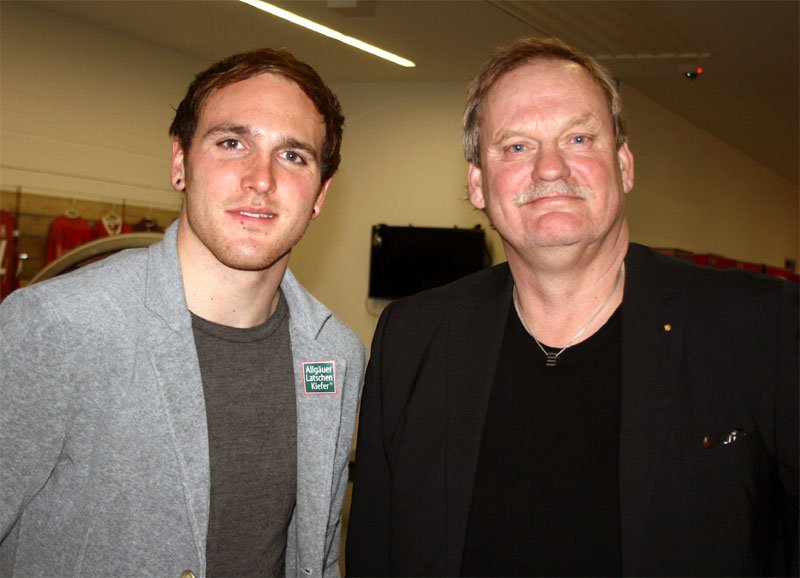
(252, 429)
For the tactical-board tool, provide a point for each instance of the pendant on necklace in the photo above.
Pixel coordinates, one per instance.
(551, 358)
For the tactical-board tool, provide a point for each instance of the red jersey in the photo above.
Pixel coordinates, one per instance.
(65, 234)
(9, 254)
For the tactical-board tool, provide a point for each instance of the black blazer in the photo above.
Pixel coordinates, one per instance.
(704, 352)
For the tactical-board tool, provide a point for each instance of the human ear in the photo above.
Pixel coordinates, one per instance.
(320, 200)
(625, 158)
(475, 185)
(177, 170)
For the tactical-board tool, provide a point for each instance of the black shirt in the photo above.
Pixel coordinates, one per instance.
(546, 494)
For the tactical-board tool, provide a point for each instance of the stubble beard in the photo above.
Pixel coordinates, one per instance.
(265, 248)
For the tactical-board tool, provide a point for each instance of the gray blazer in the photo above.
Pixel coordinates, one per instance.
(104, 464)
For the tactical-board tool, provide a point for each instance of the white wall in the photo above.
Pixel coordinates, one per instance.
(85, 113)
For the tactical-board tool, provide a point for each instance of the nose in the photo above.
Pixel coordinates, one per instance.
(258, 175)
(550, 164)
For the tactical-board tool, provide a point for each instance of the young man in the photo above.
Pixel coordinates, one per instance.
(188, 409)
(591, 407)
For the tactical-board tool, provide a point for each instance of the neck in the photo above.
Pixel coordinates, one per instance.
(228, 296)
(564, 301)
(235, 302)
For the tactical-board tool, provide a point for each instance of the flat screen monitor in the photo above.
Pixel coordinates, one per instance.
(406, 260)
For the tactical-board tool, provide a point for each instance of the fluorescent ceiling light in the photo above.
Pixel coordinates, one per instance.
(304, 22)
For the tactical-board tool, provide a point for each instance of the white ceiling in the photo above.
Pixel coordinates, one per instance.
(748, 95)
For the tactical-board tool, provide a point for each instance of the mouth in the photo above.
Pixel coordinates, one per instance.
(531, 199)
(256, 215)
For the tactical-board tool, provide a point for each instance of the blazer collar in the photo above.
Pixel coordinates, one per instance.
(653, 312)
(173, 357)
(476, 329)
(308, 315)
(165, 296)
(318, 421)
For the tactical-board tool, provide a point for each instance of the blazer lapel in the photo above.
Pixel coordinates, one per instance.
(652, 340)
(318, 427)
(476, 331)
(173, 357)
(174, 360)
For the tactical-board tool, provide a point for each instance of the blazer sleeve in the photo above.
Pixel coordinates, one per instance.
(367, 543)
(34, 400)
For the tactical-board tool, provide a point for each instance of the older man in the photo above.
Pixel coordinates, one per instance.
(590, 407)
(188, 409)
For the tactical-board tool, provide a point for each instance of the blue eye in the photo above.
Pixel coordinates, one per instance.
(580, 139)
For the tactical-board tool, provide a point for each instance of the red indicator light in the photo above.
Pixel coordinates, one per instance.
(699, 70)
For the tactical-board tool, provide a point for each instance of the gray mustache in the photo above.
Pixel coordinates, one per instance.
(544, 189)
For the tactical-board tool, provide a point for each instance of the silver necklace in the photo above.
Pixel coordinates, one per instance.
(553, 355)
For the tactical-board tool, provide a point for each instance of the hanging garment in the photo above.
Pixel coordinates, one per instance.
(9, 254)
(110, 225)
(66, 233)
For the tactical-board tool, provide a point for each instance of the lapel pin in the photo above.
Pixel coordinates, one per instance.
(667, 327)
(731, 437)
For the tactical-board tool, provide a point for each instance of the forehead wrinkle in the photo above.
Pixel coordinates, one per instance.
(588, 118)
(583, 119)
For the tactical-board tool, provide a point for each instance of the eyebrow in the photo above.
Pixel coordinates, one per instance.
(247, 130)
(237, 129)
(296, 144)
(582, 119)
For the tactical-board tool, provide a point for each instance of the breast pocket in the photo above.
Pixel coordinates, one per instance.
(723, 450)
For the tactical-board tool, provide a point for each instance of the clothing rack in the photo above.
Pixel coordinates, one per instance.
(34, 212)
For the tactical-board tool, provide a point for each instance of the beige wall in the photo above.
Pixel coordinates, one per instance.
(85, 113)
(401, 165)
(695, 192)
